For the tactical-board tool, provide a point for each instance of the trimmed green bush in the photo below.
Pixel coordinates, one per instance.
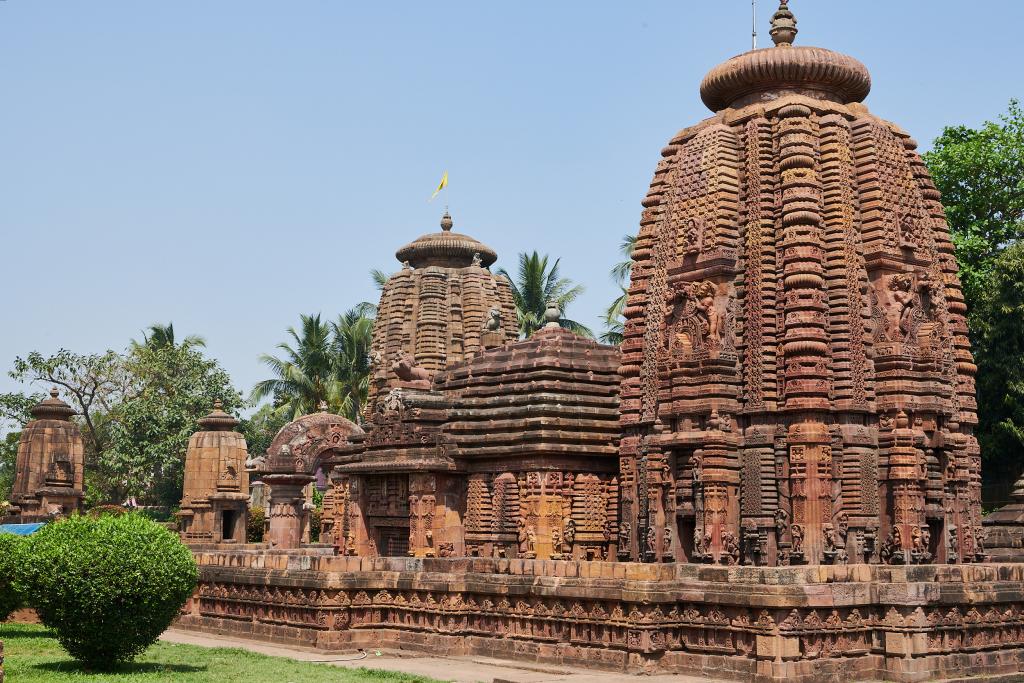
(108, 586)
(11, 551)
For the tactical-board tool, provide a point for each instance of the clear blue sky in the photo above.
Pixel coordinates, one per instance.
(229, 165)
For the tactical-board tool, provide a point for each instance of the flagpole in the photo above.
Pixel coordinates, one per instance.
(753, 8)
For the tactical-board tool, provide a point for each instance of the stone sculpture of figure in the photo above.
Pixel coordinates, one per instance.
(521, 536)
(477, 261)
(781, 522)
(493, 322)
(255, 463)
(704, 293)
(902, 287)
(624, 533)
(798, 538)
(531, 541)
(916, 539)
(843, 525)
(350, 543)
(701, 542)
(731, 547)
(668, 540)
(892, 545)
(568, 535)
(828, 534)
(406, 265)
(725, 422)
(652, 540)
(691, 236)
(954, 543)
(405, 367)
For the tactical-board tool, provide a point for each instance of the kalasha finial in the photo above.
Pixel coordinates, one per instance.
(552, 314)
(53, 392)
(446, 221)
(218, 404)
(783, 26)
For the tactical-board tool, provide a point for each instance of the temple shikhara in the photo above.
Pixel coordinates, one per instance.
(773, 478)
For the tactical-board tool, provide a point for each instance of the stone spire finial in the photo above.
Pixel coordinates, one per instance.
(552, 314)
(783, 26)
(446, 221)
(53, 392)
(218, 420)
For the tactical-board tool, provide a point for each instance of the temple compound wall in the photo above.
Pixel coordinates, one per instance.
(826, 623)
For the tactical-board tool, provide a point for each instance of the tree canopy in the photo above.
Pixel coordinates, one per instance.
(536, 283)
(980, 173)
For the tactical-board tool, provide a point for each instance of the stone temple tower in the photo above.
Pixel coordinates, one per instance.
(798, 386)
(443, 307)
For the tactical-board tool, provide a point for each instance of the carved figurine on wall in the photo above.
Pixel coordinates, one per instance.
(892, 547)
(493, 322)
(797, 533)
(731, 548)
(694, 323)
(405, 367)
(568, 536)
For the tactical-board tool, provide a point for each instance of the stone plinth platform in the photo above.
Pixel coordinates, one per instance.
(849, 623)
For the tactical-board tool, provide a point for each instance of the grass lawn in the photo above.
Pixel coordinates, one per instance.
(32, 655)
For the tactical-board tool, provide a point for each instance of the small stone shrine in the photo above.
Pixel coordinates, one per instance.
(214, 505)
(774, 479)
(48, 475)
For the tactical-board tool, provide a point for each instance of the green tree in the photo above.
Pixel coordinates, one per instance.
(613, 317)
(163, 335)
(980, 173)
(325, 362)
(149, 431)
(998, 332)
(352, 336)
(8, 461)
(304, 376)
(261, 427)
(535, 285)
(91, 383)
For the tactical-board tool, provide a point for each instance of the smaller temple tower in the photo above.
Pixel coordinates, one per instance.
(443, 307)
(48, 477)
(214, 505)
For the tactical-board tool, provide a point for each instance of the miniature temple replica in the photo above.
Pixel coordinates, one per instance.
(49, 470)
(214, 506)
(774, 478)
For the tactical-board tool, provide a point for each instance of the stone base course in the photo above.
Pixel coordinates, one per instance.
(849, 623)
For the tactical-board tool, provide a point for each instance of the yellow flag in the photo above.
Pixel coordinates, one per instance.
(440, 186)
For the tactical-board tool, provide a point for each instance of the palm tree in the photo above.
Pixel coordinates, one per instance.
(305, 376)
(379, 277)
(352, 337)
(160, 336)
(621, 272)
(537, 284)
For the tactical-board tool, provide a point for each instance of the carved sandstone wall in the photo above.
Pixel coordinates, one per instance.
(738, 623)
